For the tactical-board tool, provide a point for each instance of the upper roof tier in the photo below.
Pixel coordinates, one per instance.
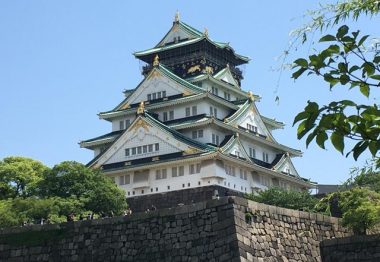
(184, 47)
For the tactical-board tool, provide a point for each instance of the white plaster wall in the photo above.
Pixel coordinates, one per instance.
(164, 148)
(203, 107)
(212, 173)
(259, 149)
(251, 119)
(154, 85)
(207, 85)
(116, 121)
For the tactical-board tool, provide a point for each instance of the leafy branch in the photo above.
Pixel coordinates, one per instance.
(344, 119)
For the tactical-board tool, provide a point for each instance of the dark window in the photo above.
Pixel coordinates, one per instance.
(194, 110)
(157, 146)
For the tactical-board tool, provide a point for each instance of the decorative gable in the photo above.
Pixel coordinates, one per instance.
(175, 35)
(286, 166)
(235, 148)
(225, 75)
(156, 85)
(248, 117)
(143, 139)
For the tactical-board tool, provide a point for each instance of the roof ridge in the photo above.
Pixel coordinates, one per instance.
(190, 28)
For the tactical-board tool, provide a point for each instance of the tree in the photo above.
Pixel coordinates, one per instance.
(19, 176)
(347, 60)
(359, 208)
(299, 200)
(71, 179)
(367, 176)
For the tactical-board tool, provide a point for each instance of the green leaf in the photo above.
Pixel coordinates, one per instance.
(376, 59)
(333, 49)
(364, 88)
(310, 138)
(359, 149)
(342, 67)
(344, 79)
(374, 146)
(347, 103)
(369, 68)
(338, 141)
(300, 116)
(303, 128)
(327, 38)
(321, 139)
(312, 107)
(361, 41)
(301, 62)
(376, 77)
(342, 31)
(347, 39)
(353, 68)
(298, 73)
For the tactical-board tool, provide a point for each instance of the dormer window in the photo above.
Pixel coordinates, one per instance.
(214, 90)
(252, 128)
(252, 152)
(265, 157)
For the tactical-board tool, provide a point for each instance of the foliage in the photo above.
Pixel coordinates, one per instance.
(19, 176)
(18, 211)
(367, 176)
(31, 192)
(97, 192)
(361, 210)
(299, 200)
(344, 119)
(359, 207)
(348, 61)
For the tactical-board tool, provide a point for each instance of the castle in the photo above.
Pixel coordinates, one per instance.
(189, 124)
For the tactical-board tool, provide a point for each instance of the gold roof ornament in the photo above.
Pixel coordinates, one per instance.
(251, 97)
(176, 17)
(206, 32)
(237, 135)
(141, 108)
(156, 60)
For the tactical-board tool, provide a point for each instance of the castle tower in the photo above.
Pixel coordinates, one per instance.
(189, 124)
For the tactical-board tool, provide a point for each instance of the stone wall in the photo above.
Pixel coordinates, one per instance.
(268, 233)
(178, 197)
(227, 229)
(354, 248)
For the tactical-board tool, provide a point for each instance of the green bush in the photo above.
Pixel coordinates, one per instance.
(299, 200)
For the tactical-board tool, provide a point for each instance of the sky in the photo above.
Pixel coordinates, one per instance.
(63, 62)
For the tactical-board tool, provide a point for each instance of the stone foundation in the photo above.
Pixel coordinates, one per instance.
(179, 197)
(354, 248)
(225, 229)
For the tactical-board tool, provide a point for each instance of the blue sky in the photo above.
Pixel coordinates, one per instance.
(62, 62)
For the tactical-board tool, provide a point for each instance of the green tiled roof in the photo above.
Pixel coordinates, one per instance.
(167, 47)
(113, 134)
(188, 42)
(179, 135)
